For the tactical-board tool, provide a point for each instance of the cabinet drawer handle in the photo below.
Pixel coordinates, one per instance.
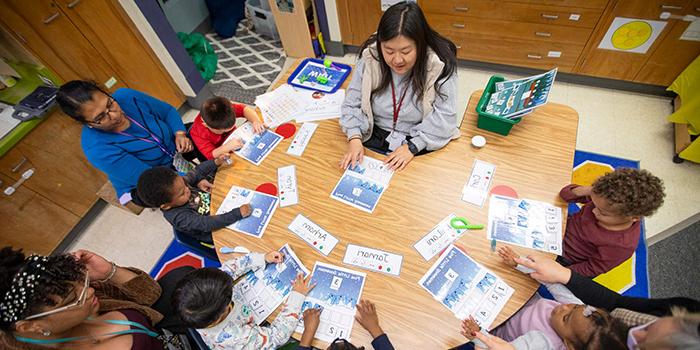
(25, 176)
(546, 16)
(73, 4)
(461, 9)
(458, 25)
(671, 7)
(19, 165)
(534, 57)
(543, 34)
(697, 9)
(20, 37)
(458, 46)
(51, 18)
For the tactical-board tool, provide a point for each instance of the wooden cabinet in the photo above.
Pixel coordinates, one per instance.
(627, 65)
(358, 19)
(63, 188)
(89, 40)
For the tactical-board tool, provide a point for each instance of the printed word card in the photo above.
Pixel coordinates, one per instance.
(441, 236)
(287, 184)
(476, 190)
(373, 259)
(301, 139)
(313, 234)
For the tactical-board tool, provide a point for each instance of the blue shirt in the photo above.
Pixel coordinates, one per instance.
(123, 157)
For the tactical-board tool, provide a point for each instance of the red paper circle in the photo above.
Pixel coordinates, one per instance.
(504, 190)
(287, 130)
(268, 188)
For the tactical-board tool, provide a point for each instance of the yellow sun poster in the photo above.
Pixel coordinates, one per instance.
(631, 34)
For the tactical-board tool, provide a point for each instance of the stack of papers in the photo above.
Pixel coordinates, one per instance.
(287, 102)
(516, 98)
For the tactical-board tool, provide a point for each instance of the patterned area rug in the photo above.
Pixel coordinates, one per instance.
(248, 63)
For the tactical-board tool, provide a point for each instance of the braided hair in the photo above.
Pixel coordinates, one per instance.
(38, 277)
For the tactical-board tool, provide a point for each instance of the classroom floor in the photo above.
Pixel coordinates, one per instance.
(611, 122)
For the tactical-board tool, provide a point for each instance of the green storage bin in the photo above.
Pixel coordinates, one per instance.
(488, 121)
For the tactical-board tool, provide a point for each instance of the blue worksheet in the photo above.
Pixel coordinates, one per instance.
(466, 287)
(265, 289)
(263, 206)
(255, 146)
(361, 186)
(336, 293)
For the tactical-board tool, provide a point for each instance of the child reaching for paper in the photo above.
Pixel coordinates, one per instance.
(563, 323)
(203, 299)
(366, 317)
(185, 200)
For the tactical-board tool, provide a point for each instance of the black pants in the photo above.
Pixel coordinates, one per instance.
(378, 143)
(167, 283)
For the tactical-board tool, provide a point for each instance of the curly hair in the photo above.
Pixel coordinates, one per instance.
(55, 280)
(633, 192)
(155, 186)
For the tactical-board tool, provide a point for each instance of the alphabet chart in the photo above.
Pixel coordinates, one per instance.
(263, 206)
(525, 222)
(361, 186)
(373, 259)
(441, 236)
(265, 289)
(336, 293)
(466, 288)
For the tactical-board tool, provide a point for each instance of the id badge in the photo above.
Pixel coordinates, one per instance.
(395, 140)
(181, 165)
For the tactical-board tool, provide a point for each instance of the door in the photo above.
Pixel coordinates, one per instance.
(358, 19)
(50, 36)
(110, 31)
(626, 65)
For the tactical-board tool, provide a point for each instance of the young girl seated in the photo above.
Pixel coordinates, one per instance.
(563, 323)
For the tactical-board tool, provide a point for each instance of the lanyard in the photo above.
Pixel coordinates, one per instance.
(153, 138)
(397, 109)
(141, 329)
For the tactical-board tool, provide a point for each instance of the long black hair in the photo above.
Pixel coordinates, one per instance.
(407, 19)
(73, 94)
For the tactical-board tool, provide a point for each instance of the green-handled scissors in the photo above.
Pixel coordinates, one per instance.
(461, 223)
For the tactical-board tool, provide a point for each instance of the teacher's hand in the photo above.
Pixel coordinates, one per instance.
(182, 143)
(398, 159)
(546, 270)
(354, 154)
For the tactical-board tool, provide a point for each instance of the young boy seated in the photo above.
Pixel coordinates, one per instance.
(185, 200)
(216, 122)
(605, 232)
(204, 300)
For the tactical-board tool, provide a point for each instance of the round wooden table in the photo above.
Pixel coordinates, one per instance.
(535, 160)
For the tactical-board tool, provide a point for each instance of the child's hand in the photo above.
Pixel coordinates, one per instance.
(469, 328)
(246, 210)
(274, 257)
(367, 317)
(205, 185)
(508, 256)
(234, 144)
(312, 317)
(300, 287)
(223, 159)
(258, 127)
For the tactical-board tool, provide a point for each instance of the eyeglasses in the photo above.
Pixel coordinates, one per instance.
(76, 304)
(100, 117)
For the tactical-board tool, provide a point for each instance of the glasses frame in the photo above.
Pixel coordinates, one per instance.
(78, 303)
(105, 114)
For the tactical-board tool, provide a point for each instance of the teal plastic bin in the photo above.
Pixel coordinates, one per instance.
(488, 121)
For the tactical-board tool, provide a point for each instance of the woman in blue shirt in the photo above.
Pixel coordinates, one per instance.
(124, 133)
